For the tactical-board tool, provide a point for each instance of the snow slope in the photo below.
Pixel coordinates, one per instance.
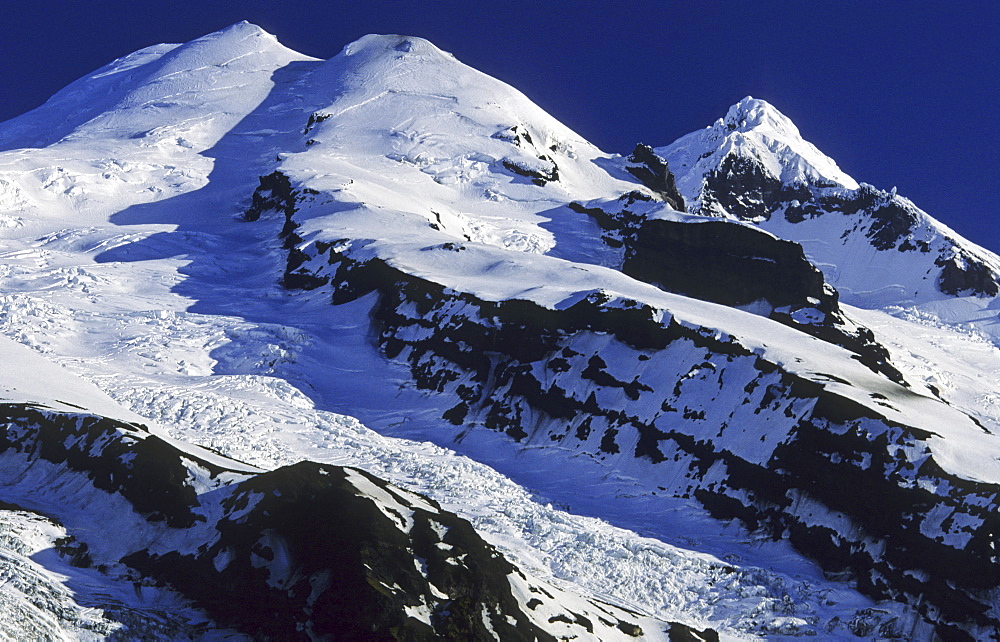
(143, 251)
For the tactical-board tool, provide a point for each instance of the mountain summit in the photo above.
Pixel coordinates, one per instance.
(752, 131)
(754, 166)
(313, 329)
(203, 87)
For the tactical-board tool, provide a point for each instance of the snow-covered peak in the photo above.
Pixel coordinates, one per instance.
(226, 48)
(208, 84)
(399, 126)
(374, 45)
(876, 247)
(377, 69)
(241, 29)
(752, 113)
(752, 131)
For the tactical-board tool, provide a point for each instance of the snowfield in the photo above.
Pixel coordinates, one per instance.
(132, 285)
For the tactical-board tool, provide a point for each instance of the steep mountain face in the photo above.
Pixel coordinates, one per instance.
(392, 235)
(734, 265)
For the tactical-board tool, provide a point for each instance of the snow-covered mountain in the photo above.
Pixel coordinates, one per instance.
(754, 166)
(712, 386)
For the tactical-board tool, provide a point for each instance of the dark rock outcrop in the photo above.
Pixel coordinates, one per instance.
(736, 265)
(540, 167)
(724, 263)
(653, 171)
(743, 188)
(117, 457)
(308, 553)
(275, 194)
(962, 274)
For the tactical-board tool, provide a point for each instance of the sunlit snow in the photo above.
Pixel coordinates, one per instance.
(125, 261)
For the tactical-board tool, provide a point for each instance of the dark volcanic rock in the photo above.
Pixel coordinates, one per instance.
(543, 168)
(724, 263)
(743, 188)
(653, 171)
(117, 457)
(538, 176)
(736, 265)
(275, 194)
(309, 553)
(963, 274)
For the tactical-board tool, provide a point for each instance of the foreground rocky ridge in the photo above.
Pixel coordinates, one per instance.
(303, 552)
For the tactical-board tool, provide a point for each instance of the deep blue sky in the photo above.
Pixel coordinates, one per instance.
(902, 94)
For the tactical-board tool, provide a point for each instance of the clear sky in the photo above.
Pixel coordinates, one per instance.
(903, 94)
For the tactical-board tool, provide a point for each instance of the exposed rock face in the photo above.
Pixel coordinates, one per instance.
(724, 263)
(732, 264)
(537, 165)
(888, 222)
(653, 171)
(117, 458)
(303, 552)
(740, 185)
(712, 260)
(308, 552)
(963, 274)
(275, 194)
